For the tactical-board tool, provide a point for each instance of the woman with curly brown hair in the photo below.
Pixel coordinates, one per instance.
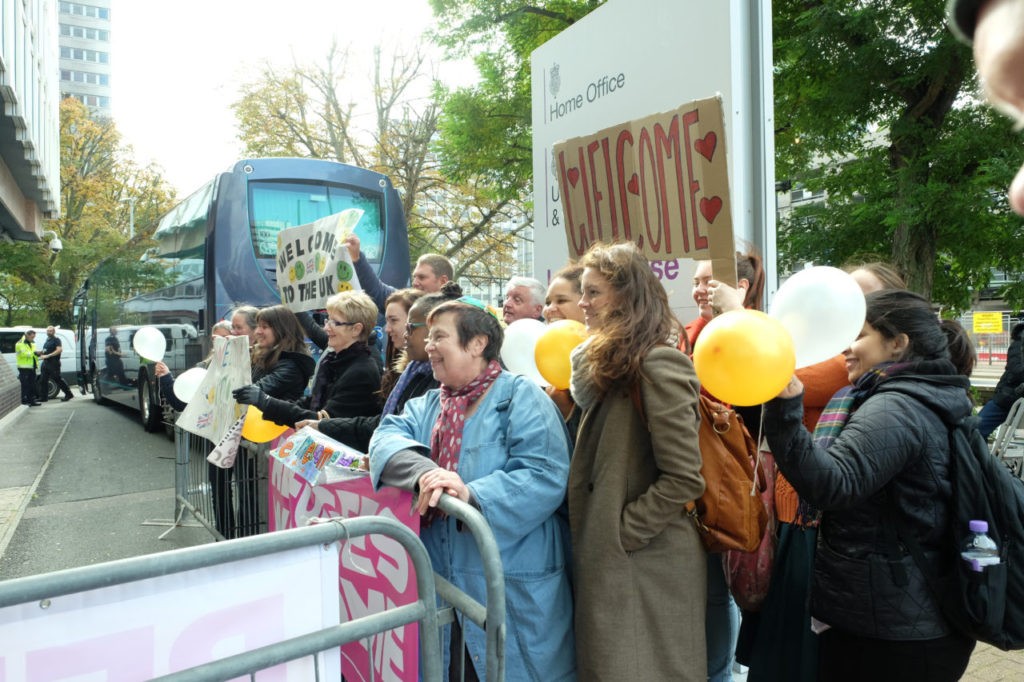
(639, 566)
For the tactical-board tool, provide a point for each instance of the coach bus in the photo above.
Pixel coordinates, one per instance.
(216, 250)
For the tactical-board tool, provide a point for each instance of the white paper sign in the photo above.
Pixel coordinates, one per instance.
(213, 409)
(142, 629)
(313, 262)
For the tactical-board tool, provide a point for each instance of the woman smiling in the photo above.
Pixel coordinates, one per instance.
(494, 440)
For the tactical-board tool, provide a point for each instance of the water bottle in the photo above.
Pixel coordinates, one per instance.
(979, 549)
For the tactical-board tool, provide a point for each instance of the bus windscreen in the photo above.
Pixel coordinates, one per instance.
(275, 206)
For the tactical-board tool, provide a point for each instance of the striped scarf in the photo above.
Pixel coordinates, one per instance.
(411, 371)
(834, 417)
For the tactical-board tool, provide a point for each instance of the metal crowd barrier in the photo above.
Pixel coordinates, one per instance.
(41, 588)
(232, 503)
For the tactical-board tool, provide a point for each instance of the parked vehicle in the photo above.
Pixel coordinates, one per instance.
(68, 357)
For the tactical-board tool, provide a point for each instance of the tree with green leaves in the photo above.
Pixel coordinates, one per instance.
(485, 129)
(98, 177)
(875, 103)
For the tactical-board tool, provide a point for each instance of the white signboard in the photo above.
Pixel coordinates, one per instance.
(139, 630)
(313, 262)
(630, 59)
(212, 409)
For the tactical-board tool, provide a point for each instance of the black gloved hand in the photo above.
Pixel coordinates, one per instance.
(251, 395)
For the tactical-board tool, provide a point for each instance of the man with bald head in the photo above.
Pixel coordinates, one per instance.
(52, 348)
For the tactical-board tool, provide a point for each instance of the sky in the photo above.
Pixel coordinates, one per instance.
(176, 67)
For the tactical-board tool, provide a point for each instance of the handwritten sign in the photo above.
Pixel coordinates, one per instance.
(375, 571)
(661, 182)
(313, 262)
(212, 409)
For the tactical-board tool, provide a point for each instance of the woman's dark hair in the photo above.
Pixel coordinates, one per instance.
(898, 311)
(424, 304)
(472, 321)
(572, 274)
(750, 267)
(961, 350)
(288, 334)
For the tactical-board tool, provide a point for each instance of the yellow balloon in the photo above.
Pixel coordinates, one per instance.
(744, 357)
(256, 429)
(552, 351)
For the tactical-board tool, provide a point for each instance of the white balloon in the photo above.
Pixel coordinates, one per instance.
(823, 310)
(149, 343)
(517, 350)
(186, 385)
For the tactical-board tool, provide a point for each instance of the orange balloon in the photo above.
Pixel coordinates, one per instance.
(744, 357)
(256, 429)
(553, 348)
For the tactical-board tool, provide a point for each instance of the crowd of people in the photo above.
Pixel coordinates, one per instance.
(584, 487)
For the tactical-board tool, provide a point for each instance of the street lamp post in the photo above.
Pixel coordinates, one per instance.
(131, 216)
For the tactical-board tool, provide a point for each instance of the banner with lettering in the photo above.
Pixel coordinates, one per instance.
(661, 182)
(375, 572)
(313, 262)
(213, 410)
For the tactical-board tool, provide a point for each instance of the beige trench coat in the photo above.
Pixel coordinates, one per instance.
(639, 566)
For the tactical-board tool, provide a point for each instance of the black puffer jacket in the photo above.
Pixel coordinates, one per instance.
(351, 379)
(356, 432)
(288, 378)
(1013, 375)
(896, 438)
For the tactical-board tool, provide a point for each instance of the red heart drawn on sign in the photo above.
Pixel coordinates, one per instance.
(705, 146)
(709, 208)
(574, 176)
(633, 186)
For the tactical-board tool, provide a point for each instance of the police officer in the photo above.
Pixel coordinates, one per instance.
(25, 353)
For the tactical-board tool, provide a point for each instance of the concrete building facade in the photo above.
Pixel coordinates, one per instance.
(29, 118)
(84, 29)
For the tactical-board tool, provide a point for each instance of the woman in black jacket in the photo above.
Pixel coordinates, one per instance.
(415, 376)
(878, 468)
(347, 376)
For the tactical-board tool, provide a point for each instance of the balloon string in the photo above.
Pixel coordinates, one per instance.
(757, 458)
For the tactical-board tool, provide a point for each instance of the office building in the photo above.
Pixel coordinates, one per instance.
(85, 53)
(29, 118)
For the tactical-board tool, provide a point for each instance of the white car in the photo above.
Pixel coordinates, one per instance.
(68, 369)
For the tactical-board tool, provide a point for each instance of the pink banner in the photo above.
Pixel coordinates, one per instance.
(375, 571)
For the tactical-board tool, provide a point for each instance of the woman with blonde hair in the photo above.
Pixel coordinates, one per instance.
(346, 378)
(639, 566)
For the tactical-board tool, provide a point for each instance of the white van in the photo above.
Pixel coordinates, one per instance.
(68, 356)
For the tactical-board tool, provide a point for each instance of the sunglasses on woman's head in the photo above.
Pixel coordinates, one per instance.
(477, 303)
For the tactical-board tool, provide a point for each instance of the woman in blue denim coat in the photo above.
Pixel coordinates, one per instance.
(496, 441)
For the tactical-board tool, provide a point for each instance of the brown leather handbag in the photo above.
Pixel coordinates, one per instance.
(730, 514)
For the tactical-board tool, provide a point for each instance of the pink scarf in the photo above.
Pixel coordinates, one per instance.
(446, 436)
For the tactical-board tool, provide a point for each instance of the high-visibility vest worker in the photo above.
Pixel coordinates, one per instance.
(25, 351)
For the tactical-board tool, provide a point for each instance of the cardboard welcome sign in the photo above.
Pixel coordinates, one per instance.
(661, 182)
(313, 262)
(212, 411)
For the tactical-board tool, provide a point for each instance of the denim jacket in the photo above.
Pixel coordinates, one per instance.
(515, 460)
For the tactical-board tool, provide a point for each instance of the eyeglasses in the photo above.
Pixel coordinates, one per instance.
(336, 324)
(410, 327)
